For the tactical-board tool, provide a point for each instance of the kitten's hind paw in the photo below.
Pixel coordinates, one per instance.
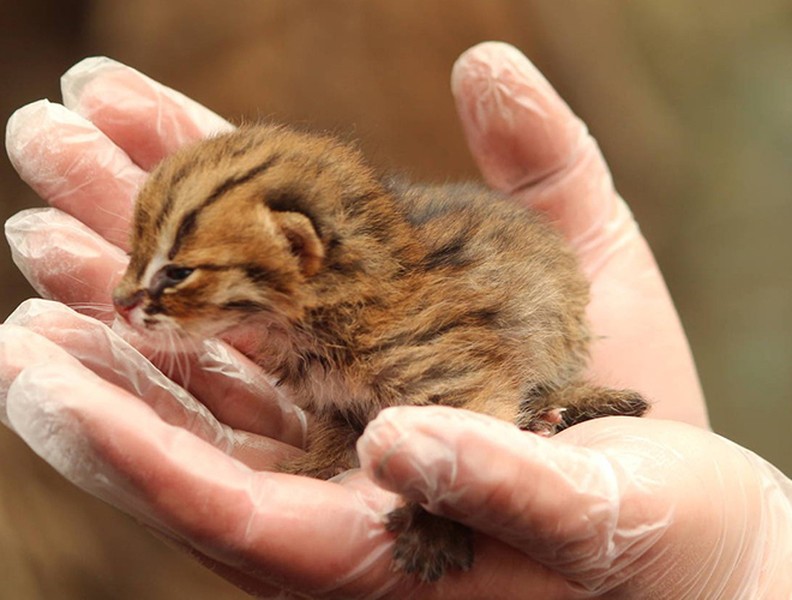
(428, 545)
(548, 411)
(604, 402)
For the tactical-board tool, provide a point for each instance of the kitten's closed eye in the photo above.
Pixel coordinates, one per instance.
(173, 274)
(167, 277)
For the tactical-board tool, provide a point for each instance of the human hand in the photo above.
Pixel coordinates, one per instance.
(287, 541)
(523, 136)
(619, 507)
(528, 143)
(616, 507)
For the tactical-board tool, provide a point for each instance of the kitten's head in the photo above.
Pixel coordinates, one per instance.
(234, 228)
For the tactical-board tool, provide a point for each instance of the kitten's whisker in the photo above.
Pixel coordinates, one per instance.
(173, 363)
(175, 350)
(184, 367)
(101, 311)
(95, 304)
(167, 366)
(157, 358)
(119, 231)
(169, 350)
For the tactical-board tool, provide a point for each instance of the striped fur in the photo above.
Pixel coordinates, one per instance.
(362, 292)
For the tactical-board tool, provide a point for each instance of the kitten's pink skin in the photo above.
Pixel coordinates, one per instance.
(552, 419)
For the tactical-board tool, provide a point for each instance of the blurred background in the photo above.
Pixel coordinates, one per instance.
(690, 101)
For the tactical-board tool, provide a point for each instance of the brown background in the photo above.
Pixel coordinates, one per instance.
(690, 102)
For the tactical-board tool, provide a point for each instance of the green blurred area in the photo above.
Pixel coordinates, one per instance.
(691, 103)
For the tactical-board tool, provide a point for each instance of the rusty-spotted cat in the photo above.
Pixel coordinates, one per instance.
(364, 292)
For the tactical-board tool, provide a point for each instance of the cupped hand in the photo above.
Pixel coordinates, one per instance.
(616, 507)
(98, 411)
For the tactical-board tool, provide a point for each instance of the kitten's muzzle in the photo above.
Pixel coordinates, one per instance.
(124, 305)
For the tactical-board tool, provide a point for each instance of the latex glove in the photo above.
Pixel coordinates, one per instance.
(269, 531)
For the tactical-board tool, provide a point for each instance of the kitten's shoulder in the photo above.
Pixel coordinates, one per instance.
(467, 201)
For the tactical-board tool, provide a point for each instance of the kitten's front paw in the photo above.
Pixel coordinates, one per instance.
(428, 545)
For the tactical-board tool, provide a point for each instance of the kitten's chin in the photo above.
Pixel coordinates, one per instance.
(246, 338)
(173, 339)
(162, 338)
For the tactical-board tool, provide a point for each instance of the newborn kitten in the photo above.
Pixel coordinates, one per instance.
(365, 293)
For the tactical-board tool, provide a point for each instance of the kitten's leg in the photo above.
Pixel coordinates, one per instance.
(428, 545)
(330, 449)
(548, 411)
(425, 544)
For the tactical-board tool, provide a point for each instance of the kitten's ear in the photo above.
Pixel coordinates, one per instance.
(304, 242)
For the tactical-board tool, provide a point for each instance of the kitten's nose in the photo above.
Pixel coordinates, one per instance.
(125, 304)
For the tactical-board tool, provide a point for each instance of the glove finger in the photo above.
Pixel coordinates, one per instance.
(242, 395)
(307, 535)
(303, 532)
(519, 130)
(74, 167)
(21, 348)
(527, 141)
(569, 508)
(232, 388)
(108, 444)
(145, 118)
(65, 260)
(120, 364)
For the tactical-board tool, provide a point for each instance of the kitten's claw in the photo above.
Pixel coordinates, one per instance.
(428, 545)
(548, 422)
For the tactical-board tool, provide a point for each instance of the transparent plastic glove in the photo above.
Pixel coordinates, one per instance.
(617, 507)
(528, 143)
(270, 532)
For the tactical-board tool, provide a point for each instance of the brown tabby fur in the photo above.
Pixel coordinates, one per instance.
(366, 293)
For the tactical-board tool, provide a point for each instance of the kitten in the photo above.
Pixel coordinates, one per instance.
(364, 293)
